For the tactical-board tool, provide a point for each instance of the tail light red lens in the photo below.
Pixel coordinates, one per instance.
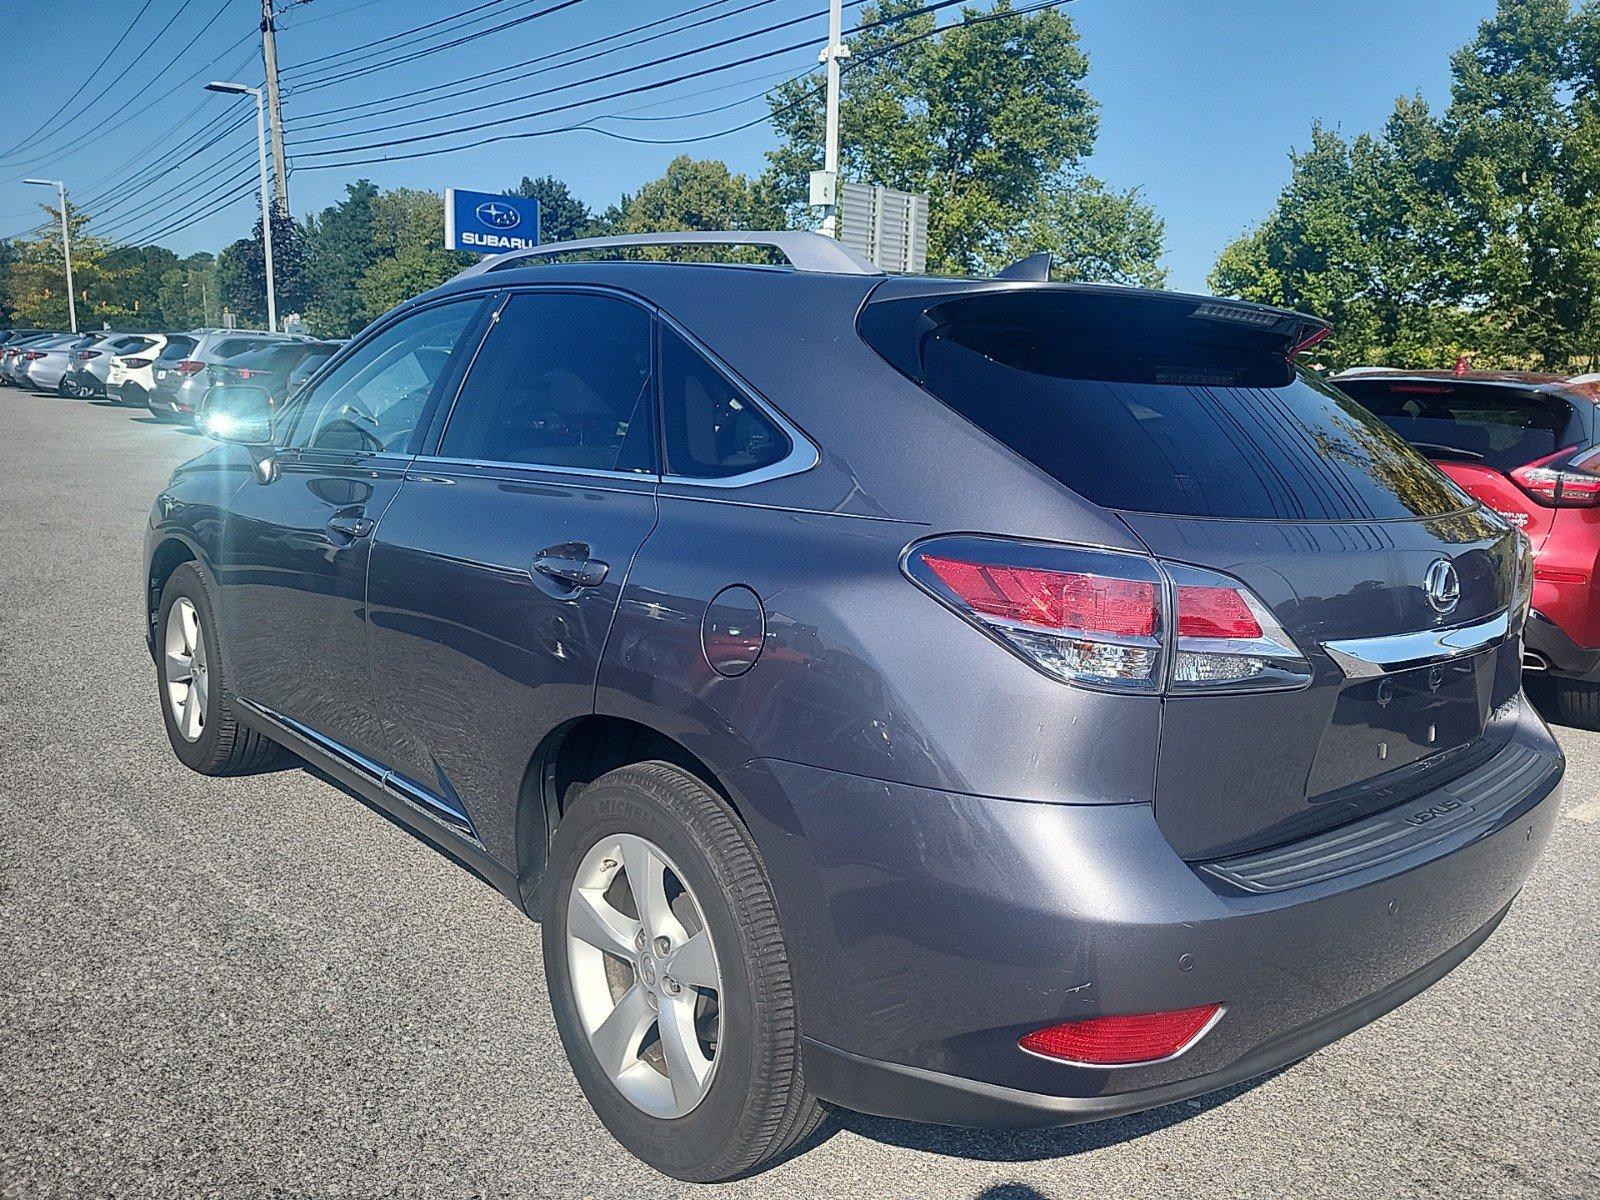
(1105, 619)
(31, 355)
(1052, 599)
(86, 355)
(137, 364)
(1124, 1041)
(190, 366)
(1564, 479)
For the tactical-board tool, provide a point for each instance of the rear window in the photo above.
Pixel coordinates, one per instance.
(1498, 425)
(176, 348)
(1155, 404)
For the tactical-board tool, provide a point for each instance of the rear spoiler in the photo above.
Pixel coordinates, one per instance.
(1097, 331)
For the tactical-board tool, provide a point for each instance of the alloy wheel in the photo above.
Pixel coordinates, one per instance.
(184, 669)
(644, 975)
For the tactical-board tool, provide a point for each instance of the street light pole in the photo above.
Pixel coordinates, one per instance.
(240, 89)
(66, 244)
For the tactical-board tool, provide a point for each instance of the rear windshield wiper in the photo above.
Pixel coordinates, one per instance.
(1457, 451)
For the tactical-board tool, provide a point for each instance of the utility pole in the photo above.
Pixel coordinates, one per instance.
(66, 244)
(269, 57)
(827, 196)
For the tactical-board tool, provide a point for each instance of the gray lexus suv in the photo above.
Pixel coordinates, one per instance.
(981, 701)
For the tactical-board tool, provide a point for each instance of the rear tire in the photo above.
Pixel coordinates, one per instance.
(192, 685)
(1567, 701)
(753, 1104)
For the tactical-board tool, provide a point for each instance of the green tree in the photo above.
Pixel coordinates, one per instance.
(408, 241)
(699, 194)
(562, 216)
(339, 249)
(990, 118)
(39, 277)
(242, 269)
(1475, 232)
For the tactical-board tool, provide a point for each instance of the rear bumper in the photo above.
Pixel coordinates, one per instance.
(1563, 656)
(129, 392)
(930, 930)
(909, 1093)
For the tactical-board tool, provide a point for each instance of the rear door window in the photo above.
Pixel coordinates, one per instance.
(1150, 405)
(562, 380)
(1498, 425)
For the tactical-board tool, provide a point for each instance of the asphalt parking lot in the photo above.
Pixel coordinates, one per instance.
(259, 987)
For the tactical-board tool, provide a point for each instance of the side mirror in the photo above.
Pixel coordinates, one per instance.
(243, 415)
(239, 414)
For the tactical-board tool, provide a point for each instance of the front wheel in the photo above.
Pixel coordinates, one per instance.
(191, 676)
(669, 978)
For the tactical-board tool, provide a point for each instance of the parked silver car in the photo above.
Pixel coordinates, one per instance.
(18, 356)
(87, 374)
(181, 378)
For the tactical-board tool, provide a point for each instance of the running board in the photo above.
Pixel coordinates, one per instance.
(410, 793)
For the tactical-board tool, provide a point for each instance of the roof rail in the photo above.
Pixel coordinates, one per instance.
(806, 251)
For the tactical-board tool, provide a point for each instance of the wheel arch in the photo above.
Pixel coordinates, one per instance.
(570, 757)
(168, 555)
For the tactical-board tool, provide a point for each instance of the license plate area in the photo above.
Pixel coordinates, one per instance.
(1382, 724)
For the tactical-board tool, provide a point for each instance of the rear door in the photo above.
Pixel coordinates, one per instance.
(1184, 418)
(496, 571)
(1479, 432)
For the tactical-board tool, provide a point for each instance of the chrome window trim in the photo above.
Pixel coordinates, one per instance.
(1367, 658)
(489, 464)
(803, 453)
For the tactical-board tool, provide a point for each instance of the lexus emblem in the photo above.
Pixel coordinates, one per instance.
(499, 216)
(1443, 586)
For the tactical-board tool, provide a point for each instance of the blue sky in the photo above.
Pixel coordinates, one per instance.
(1201, 100)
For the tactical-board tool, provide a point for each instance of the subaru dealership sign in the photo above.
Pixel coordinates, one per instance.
(488, 224)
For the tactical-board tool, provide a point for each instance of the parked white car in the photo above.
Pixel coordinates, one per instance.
(132, 377)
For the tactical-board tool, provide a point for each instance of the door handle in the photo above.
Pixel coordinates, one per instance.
(352, 525)
(570, 563)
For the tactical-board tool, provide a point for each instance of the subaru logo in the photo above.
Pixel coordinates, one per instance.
(1442, 585)
(498, 216)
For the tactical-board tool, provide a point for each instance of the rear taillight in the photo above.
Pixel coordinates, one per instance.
(31, 355)
(1084, 616)
(137, 364)
(1111, 620)
(189, 366)
(86, 355)
(1564, 479)
(1124, 1041)
(1227, 638)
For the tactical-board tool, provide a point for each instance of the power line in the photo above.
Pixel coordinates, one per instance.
(209, 207)
(585, 126)
(113, 219)
(100, 131)
(453, 17)
(356, 73)
(386, 102)
(564, 87)
(41, 155)
(100, 66)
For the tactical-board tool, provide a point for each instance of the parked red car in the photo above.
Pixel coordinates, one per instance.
(1527, 446)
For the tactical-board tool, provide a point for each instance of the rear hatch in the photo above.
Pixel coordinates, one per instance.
(1183, 416)
(1480, 432)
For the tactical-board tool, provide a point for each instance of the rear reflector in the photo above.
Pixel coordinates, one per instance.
(1124, 1041)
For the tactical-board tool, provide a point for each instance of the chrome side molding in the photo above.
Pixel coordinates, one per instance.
(1365, 658)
